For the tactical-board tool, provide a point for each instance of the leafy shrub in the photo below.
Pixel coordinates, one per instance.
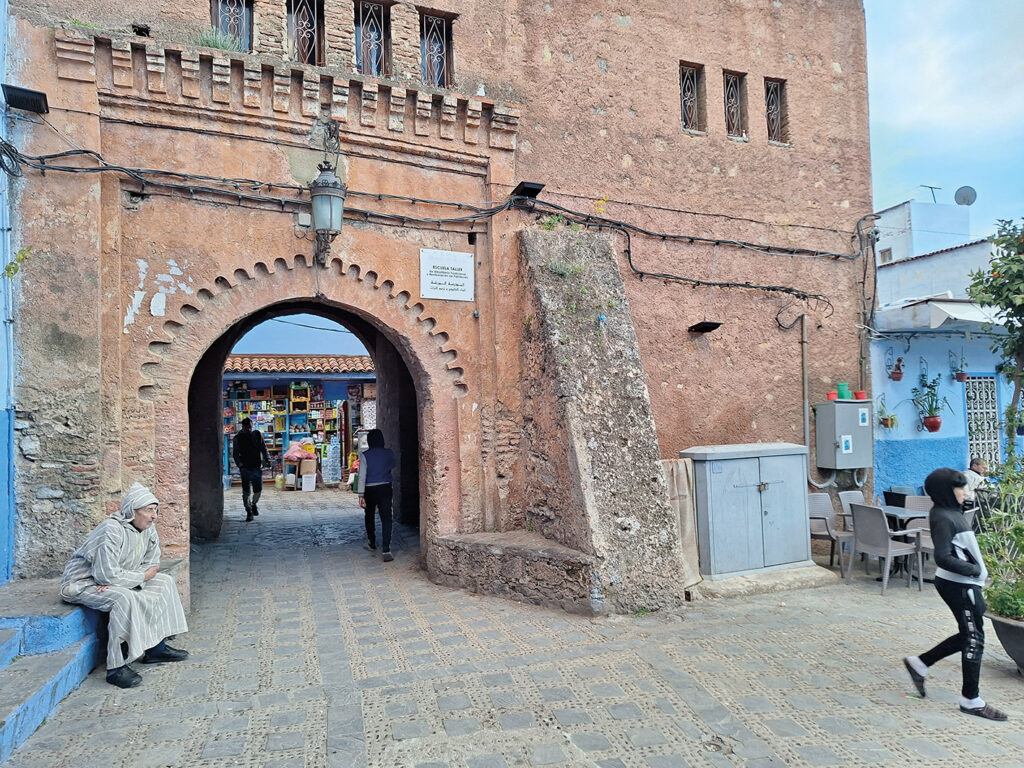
(214, 38)
(1002, 546)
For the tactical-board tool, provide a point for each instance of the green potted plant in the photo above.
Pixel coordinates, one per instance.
(886, 418)
(1002, 547)
(929, 404)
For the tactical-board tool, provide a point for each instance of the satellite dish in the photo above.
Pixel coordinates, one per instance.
(965, 196)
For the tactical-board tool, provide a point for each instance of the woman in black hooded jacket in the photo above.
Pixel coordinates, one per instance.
(959, 576)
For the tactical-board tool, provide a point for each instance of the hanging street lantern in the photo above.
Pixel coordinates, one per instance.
(328, 195)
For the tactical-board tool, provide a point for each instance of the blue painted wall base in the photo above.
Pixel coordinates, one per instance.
(908, 462)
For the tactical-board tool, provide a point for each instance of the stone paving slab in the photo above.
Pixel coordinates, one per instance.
(308, 650)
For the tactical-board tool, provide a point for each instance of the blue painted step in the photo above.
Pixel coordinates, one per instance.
(32, 686)
(10, 645)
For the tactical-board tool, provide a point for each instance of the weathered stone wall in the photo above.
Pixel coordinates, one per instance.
(591, 363)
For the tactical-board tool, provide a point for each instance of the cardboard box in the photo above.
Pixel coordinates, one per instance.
(307, 467)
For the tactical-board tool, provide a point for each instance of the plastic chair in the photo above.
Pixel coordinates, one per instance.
(846, 498)
(822, 518)
(871, 535)
(919, 503)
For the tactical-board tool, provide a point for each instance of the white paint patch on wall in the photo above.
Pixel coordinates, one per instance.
(143, 271)
(133, 308)
(158, 305)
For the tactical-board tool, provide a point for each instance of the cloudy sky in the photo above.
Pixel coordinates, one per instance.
(946, 90)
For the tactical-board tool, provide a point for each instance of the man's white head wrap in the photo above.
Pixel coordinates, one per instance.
(138, 496)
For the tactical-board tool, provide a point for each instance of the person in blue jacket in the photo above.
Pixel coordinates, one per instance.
(959, 576)
(375, 465)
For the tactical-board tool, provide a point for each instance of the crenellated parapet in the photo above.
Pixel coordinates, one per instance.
(172, 81)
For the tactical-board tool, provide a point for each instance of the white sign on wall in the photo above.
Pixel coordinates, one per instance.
(446, 275)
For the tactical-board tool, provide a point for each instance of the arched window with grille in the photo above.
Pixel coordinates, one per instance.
(234, 18)
(436, 49)
(373, 38)
(306, 31)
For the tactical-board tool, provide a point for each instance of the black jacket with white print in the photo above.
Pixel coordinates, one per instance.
(957, 555)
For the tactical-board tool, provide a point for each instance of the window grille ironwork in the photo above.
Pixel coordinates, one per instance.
(734, 105)
(305, 31)
(773, 95)
(689, 98)
(435, 49)
(373, 38)
(233, 17)
(983, 434)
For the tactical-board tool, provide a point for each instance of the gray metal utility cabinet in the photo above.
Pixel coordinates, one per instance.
(751, 507)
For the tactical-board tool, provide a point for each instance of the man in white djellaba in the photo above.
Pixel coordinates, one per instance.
(116, 571)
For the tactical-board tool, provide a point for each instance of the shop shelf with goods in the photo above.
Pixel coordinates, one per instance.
(242, 403)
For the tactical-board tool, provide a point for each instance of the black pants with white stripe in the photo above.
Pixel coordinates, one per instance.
(968, 607)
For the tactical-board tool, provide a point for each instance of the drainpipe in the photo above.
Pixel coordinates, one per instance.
(7, 348)
(807, 405)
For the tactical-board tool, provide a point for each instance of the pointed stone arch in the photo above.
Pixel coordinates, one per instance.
(155, 430)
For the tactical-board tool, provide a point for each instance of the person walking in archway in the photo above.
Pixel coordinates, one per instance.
(375, 465)
(251, 457)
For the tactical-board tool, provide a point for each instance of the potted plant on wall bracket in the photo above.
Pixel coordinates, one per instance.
(1002, 547)
(896, 374)
(929, 404)
(959, 368)
(886, 418)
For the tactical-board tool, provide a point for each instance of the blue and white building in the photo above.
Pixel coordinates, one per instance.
(6, 354)
(926, 321)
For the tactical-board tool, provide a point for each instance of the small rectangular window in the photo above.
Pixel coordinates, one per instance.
(373, 38)
(735, 104)
(692, 100)
(775, 110)
(234, 18)
(306, 31)
(885, 255)
(436, 49)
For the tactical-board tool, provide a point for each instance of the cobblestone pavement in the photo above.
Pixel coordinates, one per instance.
(307, 650)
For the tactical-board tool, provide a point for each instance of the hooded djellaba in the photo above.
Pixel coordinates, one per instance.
(116, 571)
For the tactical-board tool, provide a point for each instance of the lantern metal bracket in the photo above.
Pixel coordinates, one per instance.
(322, 249)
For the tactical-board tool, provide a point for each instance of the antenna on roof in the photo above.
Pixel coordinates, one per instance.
(930, 187)
(965, 196)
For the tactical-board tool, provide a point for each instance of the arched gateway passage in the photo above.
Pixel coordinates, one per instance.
(397, 416)
(419, 393)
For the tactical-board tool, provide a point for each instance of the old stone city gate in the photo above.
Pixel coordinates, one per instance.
(166, 202)
(149, 285)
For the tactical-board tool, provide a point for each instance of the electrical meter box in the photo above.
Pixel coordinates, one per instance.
(843, 434)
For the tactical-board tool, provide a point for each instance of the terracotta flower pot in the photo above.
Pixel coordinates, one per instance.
(960, 376)
(932, 423)
(896, 375)
(888, 422)
(1011, 634)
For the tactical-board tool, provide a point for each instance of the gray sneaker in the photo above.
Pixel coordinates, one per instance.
(388, 557)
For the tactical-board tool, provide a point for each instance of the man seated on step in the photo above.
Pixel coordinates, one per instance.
(117, 570)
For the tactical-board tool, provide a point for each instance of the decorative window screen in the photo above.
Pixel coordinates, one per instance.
(775, 110)
(983, 437)
(233, 17)
(436, 50)
(306, 31)
(373, 38)
(691, 96)
(735, 117)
